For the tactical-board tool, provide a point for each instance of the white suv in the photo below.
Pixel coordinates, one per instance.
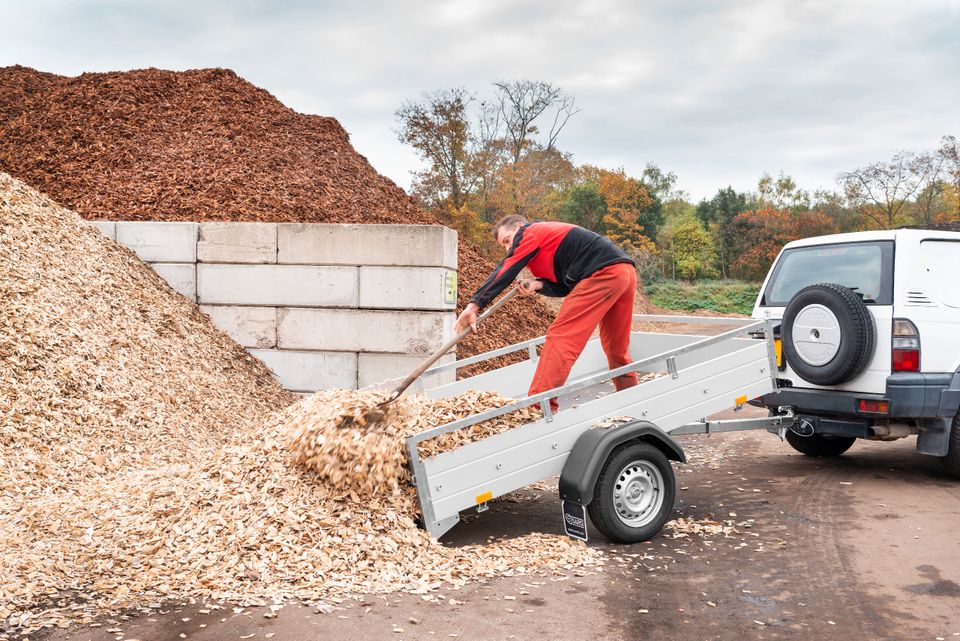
(869, 340)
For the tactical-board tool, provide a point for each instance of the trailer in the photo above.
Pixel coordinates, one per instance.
(617, 470)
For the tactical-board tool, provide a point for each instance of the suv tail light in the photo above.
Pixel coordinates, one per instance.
(905, 346)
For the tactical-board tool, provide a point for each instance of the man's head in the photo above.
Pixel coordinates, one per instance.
(506, 229)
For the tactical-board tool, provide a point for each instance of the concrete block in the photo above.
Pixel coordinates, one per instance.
(363, 330)
(310, 371)
(249, 326)
(404, 245)
(433, 288)
(237, 243)
(107, 227)
(277, 285)
(160, 242)
(182, 277)
(377, 368)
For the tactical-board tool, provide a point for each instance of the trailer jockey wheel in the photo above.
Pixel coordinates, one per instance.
(634, 494)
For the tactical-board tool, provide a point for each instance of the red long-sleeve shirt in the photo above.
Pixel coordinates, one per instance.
(560, 255)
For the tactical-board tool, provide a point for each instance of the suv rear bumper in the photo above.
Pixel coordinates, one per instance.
(929, 401)
(910, 396)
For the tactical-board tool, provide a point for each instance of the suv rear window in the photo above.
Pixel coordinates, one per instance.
(866, 268)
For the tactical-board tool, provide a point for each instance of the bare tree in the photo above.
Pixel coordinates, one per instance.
(949, 153)
(522, 102)
(491, 152)
(929, 203)
(882, 189)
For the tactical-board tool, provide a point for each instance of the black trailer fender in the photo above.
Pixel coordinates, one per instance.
(590, 452)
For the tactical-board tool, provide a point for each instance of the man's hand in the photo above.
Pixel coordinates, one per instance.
(467, 318)
(530, 287)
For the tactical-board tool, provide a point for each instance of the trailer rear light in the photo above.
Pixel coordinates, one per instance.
(874, 407)
(905, 346)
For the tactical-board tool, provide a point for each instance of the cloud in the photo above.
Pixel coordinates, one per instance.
(716, 92)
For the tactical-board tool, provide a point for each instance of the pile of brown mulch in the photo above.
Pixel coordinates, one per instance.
(143, 454)
(207, 145)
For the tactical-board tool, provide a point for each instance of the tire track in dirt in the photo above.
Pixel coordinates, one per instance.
(787, 574)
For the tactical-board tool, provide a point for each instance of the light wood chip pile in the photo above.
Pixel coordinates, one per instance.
(141, 458)
(352, 441)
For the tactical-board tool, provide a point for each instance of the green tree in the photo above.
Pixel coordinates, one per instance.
(650, 215)
(688, 249)
(716, 215)
(584, 206)
(659, 184)
(781, 193)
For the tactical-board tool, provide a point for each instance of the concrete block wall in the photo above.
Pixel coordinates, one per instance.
(321, 305)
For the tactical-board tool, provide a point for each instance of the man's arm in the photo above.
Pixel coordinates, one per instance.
(524, 249)
(550, 288)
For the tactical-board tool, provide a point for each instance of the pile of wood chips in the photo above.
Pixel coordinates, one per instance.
(206, 145)
(143, 454)
(354, 442)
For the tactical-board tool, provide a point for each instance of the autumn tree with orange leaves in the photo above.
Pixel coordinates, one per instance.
(763, 233)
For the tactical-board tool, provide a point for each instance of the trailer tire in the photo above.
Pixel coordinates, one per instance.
(634, 494)
(952, 459)
(838, 336)
(818, 444)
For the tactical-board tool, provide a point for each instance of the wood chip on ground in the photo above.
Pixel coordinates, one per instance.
(144, 457)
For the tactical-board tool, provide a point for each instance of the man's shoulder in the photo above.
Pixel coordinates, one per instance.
(550, 226)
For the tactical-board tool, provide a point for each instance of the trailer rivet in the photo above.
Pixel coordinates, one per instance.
(440, 487)
(643, 413)
(706, 390)
(556, 445)
(499, 466)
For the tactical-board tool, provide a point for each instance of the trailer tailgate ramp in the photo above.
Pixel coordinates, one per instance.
(703, 376)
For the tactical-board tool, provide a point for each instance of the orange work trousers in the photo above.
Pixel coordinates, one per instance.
(604, 298)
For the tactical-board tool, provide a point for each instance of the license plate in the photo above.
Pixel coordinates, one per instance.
(778, 348)
(574, 520)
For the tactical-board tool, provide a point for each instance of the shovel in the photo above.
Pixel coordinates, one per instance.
(433, 358)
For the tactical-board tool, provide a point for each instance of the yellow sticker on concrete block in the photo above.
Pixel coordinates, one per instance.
(450, 288)
(483, 498)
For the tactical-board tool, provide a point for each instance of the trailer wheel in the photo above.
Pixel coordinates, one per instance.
(952, 460)
(818, 444)
(634, 494)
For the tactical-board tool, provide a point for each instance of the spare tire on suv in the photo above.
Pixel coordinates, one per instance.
(828, 334)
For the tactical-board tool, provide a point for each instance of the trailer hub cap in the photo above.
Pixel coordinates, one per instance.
(816, 335)
(638, 493)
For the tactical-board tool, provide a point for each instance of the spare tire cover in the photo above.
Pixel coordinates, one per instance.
(828, 334)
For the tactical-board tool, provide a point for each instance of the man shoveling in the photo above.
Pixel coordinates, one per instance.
(598, 280)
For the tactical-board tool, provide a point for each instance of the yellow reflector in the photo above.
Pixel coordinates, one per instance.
(741, 399)
(483, 498)
(778, 348)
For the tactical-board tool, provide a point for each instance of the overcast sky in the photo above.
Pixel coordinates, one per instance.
(717, 92)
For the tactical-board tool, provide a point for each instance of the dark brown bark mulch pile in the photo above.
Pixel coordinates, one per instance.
(207, 145)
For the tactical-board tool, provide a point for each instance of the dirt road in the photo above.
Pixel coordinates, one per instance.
(860, 547)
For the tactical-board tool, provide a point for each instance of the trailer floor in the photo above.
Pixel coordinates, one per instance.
(863, 546)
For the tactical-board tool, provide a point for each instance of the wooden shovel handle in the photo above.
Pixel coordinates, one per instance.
(433, 358)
